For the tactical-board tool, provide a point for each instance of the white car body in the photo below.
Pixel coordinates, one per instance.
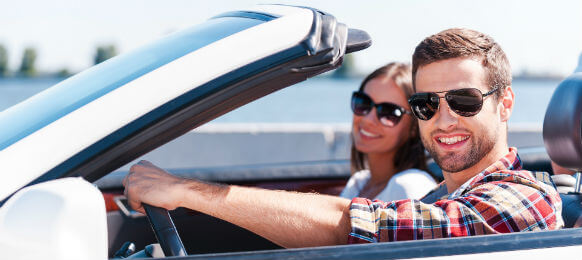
(56, 143)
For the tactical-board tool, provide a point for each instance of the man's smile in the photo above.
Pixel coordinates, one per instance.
(451, 142)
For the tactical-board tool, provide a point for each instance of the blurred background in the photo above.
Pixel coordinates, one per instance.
(44, 42)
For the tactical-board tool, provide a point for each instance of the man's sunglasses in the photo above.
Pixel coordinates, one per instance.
(465, 102)
(388, 114)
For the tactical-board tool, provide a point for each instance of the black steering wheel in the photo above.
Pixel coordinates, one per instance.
(165, 231)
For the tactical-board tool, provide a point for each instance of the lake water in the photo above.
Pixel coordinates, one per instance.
(317, 100)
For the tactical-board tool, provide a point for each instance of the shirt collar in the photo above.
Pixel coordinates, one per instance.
(509, 162)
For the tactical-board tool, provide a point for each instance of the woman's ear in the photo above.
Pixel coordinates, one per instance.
(506, 104)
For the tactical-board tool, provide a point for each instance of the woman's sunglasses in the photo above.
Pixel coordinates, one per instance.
(465, 102)
(388, 114)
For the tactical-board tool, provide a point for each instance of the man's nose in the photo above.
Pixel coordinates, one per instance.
(446, 119)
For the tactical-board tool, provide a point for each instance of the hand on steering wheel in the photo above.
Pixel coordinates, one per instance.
(165, 231)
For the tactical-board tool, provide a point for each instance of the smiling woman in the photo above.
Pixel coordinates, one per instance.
(387, 157)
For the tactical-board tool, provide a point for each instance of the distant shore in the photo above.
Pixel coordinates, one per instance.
(538, 77)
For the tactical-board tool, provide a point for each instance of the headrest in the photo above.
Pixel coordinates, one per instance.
(562, 124)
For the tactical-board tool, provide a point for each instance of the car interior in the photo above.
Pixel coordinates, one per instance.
(128, 231)
(203, 234)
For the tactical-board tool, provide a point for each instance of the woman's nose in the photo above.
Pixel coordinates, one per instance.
(371, 116)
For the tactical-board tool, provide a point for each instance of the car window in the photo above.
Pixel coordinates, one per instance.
(67, 96)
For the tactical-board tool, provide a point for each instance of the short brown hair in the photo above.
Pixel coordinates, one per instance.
(411, 153)
(457, 43)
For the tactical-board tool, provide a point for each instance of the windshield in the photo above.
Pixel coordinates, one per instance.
(71, 94)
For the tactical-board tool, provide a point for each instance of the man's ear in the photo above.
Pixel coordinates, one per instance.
(506, 104)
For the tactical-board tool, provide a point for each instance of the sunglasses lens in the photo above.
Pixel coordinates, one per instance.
(389, 114)
(361, 104)
(465, 102)
(424, 105)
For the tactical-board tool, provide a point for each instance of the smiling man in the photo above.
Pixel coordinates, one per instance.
(469, 72)
(463, 99)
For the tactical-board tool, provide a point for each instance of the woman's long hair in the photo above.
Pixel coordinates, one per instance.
(411, 153)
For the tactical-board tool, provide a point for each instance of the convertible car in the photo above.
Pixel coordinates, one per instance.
(61, 195)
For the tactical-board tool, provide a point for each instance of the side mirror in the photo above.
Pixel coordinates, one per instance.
(59, 219)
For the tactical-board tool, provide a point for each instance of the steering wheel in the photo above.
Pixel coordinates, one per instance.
(165, 231)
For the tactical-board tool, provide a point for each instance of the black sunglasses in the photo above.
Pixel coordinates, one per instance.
(465, 102)
(388, 114)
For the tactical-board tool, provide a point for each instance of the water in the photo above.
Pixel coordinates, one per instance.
(14, 90)
(318, 100)
(325, 100)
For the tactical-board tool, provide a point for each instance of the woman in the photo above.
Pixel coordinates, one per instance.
(387, 157)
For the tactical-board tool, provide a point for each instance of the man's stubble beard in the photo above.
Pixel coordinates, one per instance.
(479, 147)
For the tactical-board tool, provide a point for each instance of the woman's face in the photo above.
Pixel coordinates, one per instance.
(370, 136)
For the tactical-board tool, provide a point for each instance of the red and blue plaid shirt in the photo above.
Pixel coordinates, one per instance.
(501, 199)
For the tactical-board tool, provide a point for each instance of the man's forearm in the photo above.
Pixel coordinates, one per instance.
(289, 219)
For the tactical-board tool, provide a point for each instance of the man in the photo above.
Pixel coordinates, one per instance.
(464, 99)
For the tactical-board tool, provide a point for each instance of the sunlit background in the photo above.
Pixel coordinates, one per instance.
(539, 36)
(543, 39)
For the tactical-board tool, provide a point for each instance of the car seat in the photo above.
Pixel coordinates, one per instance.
(562, 134)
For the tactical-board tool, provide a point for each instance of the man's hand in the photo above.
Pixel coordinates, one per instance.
(290, 219)
(146, 183)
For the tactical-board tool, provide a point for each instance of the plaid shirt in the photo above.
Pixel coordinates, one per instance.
(501, 199)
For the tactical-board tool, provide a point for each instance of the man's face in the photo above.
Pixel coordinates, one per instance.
(456, 142)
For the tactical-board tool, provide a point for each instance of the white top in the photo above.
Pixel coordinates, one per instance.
(408, 184)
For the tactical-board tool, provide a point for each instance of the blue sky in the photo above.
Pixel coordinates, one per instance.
(539, 36)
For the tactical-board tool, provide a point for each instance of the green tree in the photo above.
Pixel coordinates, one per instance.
(104, 53)
(3, 61)
(27, 66)
(63, 73)
(347, 68)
